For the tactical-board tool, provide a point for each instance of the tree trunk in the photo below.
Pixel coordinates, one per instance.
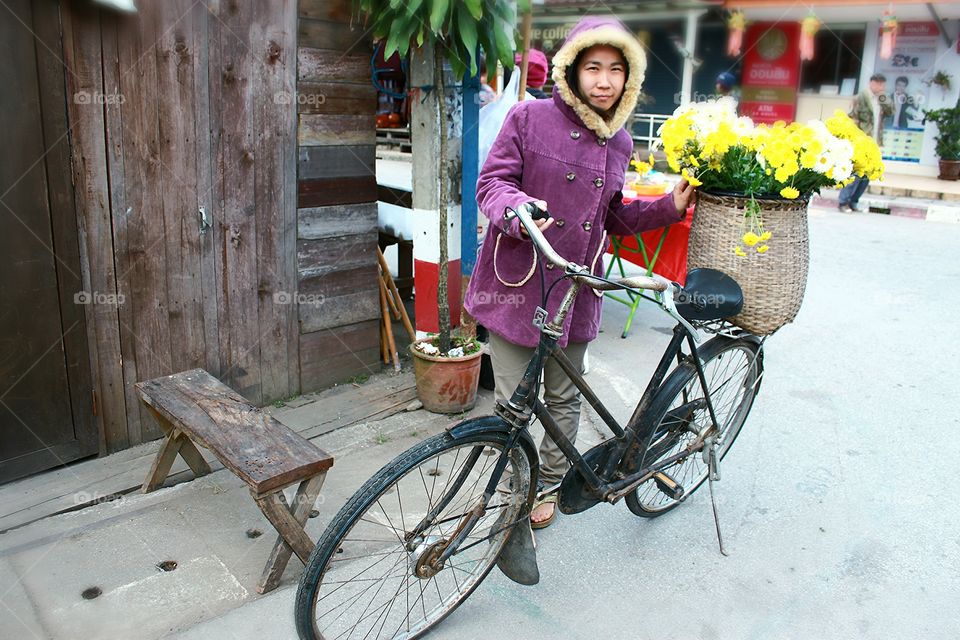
(443, 303)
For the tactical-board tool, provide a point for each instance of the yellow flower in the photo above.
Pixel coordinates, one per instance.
(750, 238)
(691, 179)
(783, 173)
(766, 235)
(692, 159)
(650, 160)
(789, 192)
(762, 248)
(740, 252)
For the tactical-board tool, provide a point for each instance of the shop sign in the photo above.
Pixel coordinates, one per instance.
(771, 72)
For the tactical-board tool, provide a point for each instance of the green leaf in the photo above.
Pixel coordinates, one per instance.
(467, 34)
(410, 32)
(504, 11)
(400, 34)
(475, 7)
(412, 6)
(504, 47)
(456, 64)
(392, 46)
(438, 11)
(420, 37)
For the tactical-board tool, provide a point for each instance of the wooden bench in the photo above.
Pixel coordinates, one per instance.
(194, 408)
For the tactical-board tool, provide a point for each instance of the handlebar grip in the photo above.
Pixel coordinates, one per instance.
(537, 213)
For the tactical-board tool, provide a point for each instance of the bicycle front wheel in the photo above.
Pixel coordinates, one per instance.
(374, 573)
(732, 368)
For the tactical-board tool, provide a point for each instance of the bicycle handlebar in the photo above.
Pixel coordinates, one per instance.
(579, 272)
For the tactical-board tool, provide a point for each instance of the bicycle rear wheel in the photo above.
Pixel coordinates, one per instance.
(374, 572)
(732, 367)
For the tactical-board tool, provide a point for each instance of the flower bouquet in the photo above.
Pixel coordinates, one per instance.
(755, 183)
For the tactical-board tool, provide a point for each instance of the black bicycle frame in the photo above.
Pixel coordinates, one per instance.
(525, 397)
(525, 403)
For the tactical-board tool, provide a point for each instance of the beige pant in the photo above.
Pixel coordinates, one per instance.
(560, 395)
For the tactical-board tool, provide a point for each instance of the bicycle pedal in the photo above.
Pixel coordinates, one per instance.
(668, 485)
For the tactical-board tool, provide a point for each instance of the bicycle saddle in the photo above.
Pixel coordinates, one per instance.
(709, 295)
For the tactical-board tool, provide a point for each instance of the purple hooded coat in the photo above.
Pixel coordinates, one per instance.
(563, 152)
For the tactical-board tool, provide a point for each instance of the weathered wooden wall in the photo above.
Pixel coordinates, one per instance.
(195, 125)
(337, 193)
(46, 416)
(204, 118)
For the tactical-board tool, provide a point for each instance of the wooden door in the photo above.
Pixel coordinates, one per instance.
(46, 412)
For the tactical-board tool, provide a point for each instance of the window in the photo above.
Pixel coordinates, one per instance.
(837, 53)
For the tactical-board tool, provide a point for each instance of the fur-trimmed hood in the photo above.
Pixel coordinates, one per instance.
(591, 31)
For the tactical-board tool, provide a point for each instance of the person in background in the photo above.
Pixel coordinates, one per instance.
(536, 72)
(487, 94)
(725, 83)
(725, 86)
(869, 109)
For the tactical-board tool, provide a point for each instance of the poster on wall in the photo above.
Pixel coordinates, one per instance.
(771, 72)
(908, 67)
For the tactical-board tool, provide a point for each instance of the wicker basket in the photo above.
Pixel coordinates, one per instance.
(773, 283)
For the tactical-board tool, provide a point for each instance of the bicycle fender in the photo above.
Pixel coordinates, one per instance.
(518, 557)
(473, 426)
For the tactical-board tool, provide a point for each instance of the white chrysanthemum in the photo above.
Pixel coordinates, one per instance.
(708, 116)
(842, 171)
(743, 126)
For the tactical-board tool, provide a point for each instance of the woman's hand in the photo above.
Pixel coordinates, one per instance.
(541, 224)
(682, 195)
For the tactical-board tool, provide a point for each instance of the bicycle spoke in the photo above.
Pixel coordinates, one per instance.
(729, 376)
(370, 587)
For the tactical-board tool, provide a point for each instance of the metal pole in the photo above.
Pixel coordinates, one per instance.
(690, 44)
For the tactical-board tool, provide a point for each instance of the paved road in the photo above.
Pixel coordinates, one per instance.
(839, 501)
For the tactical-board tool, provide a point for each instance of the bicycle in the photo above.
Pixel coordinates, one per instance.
(420, 535)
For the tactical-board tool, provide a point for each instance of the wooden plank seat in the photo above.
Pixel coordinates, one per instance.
(194, 408)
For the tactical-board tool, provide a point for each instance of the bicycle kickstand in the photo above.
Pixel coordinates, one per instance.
(713, 473)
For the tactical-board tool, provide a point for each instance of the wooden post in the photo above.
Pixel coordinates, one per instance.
(427, 175)
(525, 28)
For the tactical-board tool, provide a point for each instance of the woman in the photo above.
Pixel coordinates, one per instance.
(569, 155)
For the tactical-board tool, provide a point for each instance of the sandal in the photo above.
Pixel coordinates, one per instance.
(547, 499)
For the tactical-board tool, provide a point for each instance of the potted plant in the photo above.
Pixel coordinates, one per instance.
(940, 79)
(447, 367)
(755, 182)
(948, 139)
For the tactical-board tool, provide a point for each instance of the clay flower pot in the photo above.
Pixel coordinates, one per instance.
(949, 170)
(445, 384)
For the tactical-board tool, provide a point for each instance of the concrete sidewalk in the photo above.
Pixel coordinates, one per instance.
(208, 529)
(802, 507)
(920, 197)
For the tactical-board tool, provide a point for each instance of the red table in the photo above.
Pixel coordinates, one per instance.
(662, 251)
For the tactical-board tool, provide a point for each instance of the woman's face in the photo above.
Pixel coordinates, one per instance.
(602, 73)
